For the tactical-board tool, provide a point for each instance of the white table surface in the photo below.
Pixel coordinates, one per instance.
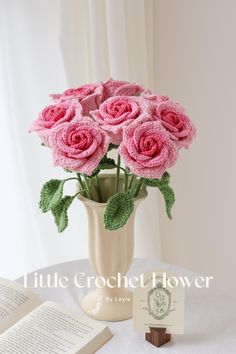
(210, 315)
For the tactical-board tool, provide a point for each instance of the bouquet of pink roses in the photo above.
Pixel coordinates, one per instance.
(81, 127)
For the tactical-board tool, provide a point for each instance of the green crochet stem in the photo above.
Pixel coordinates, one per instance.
(80, 192)
(119, 206)
(138, 187)
(131, 182)
(87, 187)
(117, 174)
(81, 184)
(132, 186)
(99, 189)
(126, 181)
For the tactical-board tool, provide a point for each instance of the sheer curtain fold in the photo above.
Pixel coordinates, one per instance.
(117, 39)
(46, 47)
(97, 40)
(120, 42)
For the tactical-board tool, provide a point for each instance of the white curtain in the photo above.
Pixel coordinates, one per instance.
(47, 46)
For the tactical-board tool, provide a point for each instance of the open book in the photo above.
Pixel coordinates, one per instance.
(29, 326)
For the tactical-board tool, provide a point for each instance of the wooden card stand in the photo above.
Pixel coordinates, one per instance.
(158, 336)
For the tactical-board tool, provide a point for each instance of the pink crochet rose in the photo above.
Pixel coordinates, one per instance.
(89, 96)
(154, 98)
(174, 119)
(117, 112)
(120, 88)
(79, 145)
(51, 116)
(147, 149)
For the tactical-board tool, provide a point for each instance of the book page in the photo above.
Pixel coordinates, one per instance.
(51, 329)
(15, 303)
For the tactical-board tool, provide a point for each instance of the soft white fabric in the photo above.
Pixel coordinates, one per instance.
(210, 315)
(47, 46)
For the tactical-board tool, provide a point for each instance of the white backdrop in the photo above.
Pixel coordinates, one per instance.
(196, 64)
(48, 46)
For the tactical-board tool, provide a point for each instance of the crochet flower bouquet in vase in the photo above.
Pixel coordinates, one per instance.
(84, 128)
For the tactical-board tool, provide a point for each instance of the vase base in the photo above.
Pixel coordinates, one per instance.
(115, 305)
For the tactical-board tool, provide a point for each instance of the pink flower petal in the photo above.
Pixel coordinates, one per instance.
(147, 148)
(79, 145)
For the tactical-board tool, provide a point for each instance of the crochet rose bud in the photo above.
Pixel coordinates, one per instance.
(52, 116)
(117, 112)
(174, 119)
(147, 149)
(79, 145)
(88, 95)
(120, 88)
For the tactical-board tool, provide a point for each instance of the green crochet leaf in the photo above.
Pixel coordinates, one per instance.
(59, 212)
(169, 197)
(51, 194)
(154, 182)
(112, 146)
(66, 170)
(118, 210)
(165, 189)
(107, 163)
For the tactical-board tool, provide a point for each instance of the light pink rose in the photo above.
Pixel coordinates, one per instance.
(147, 149)
(52, 116)
(120, 88)
(154, 98)
(174, 119)
(88, 95)
(79, 145)
(117, 112)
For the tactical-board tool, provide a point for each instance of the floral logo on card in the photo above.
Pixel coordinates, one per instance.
(159, 301)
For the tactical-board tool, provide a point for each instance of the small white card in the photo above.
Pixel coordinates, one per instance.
(158, 302)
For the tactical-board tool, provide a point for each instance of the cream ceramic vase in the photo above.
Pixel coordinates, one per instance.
(111, 254)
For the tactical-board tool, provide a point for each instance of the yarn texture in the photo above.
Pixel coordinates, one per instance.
(146, 130)
(147, 149)
(118, 112)
(79, 145)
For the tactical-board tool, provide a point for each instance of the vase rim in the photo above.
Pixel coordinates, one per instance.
(142, 194)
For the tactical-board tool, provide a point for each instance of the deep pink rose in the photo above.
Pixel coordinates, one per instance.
(79, 145)
(117, 112)
(174, 119)
(120, 88)
(88, 95)
(52, 116)
(147, 149)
